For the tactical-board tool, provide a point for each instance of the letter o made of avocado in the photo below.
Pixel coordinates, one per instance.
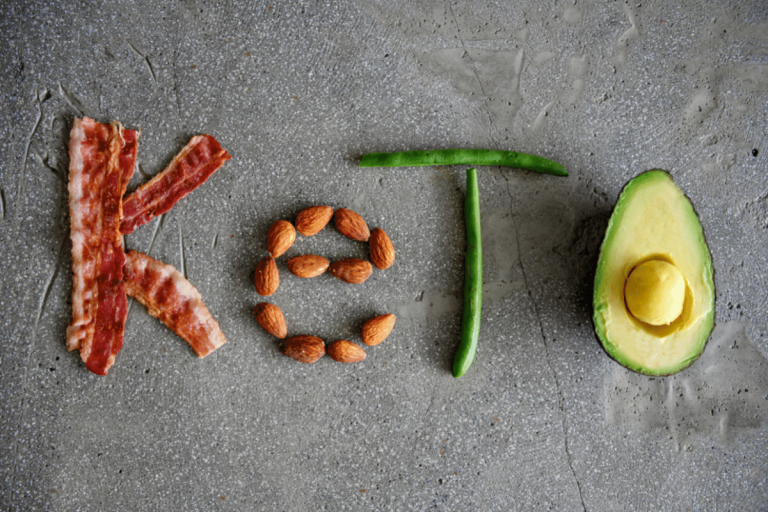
(654, 294)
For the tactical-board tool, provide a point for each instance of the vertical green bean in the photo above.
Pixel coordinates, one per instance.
(473, 279)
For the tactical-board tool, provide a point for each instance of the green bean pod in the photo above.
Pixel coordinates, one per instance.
(464, 157)
(473, 279)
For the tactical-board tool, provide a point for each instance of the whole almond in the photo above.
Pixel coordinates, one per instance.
(311, 220)
(377, 329)
(351, 225)
(280, 237)
(271, 319)
(351, 270)
(303, 348)
(345, 351)
(266, 278)
(309, 265)
(381, 250)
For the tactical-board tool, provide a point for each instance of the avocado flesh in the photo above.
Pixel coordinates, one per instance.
(653, 220)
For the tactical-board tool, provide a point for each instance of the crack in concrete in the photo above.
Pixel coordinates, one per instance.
(560, 399)
(71, 100)
(15, 335)
(39, 99)
(22, 415)
(182, 258)
(146, 60)
(44, 160)
(47, 289)
(176, 86)
(421, 423)
(144, 173)
(474, 71)
(158, 227)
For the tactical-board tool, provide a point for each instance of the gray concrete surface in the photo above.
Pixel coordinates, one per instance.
(297, 91)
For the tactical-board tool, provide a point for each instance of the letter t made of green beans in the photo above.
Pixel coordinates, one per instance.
(473, 276)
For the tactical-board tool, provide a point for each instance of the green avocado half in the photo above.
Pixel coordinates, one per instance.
(654, 221)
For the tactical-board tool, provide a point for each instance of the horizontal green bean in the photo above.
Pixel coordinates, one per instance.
(464, 157)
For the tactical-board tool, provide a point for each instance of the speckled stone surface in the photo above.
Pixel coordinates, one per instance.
(297, 92)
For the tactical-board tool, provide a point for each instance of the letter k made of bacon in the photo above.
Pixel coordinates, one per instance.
(102, 161)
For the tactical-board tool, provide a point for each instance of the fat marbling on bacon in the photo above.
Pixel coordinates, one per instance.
(199, 159)
(102, 159)
(168, 296)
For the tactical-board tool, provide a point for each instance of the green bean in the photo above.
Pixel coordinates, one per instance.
(473, 280)
(464, 157)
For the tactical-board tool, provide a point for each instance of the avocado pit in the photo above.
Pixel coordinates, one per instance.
(654, 292)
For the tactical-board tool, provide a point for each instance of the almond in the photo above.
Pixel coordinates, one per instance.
(266, 277)
(345, 351)
(351, 270)
(280, 237)
(351, 225)
(381, 250)
(311, 220)
(309, 265)
(303, 348)
(377, 329)
(271, 319)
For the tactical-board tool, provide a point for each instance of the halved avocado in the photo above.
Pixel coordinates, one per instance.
(652, 227)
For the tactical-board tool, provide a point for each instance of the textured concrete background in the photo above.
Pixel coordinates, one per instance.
(297, 91)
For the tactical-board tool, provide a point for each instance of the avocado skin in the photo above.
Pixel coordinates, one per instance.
(702, 334)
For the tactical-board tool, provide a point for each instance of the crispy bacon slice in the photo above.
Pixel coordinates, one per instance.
(188, 170)
(102, 159)
(168, 296)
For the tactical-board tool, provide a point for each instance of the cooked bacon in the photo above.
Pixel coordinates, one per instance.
(102, 159)
(188, 170)
(168, 296)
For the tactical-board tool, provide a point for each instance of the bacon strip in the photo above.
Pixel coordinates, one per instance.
(168, 296)
(188, 170)
(102, 159)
